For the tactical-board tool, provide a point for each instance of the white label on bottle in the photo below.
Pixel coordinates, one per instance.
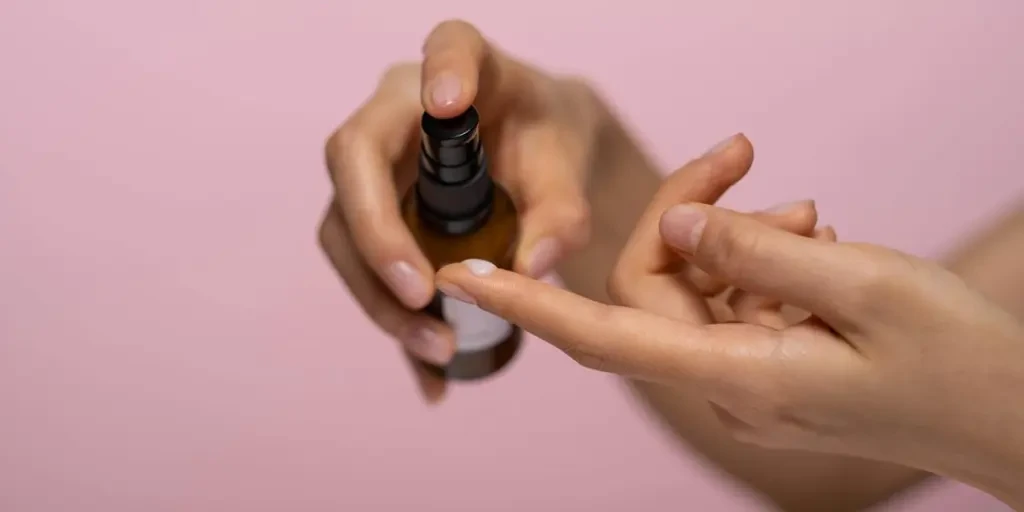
(475, 329)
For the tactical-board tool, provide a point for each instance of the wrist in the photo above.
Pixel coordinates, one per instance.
(998, 467)
(987, 451)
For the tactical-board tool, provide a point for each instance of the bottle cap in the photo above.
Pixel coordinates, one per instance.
(450, 148)
(454, 187)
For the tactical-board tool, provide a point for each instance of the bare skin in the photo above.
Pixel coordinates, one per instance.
(582, 184)
(790, 479)
(892, 344)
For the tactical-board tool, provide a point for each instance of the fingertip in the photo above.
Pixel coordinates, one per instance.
(744, 145)
(420, 334)
(540, 259)
(446, 94)
(452, 56)
(464, 273)
(409, 283)
(798, 217)
(447, 274)
(826, 233)
(682, 226)
(736, 150)
(432, 388)
(807, 217)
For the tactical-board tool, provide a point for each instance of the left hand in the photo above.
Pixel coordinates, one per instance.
(542, 132)
(900, 362)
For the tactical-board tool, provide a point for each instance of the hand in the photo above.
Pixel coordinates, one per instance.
(539, 131)
(900, 361)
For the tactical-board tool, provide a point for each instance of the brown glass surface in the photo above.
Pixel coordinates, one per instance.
(494, 241)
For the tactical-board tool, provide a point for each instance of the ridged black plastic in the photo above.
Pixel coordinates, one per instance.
(455, 191)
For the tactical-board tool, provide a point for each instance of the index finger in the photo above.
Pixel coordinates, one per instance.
(630, 342)
(703, 180)
(461, 68)
(361, 157)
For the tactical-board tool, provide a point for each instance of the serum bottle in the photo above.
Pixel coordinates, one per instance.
(457, 212)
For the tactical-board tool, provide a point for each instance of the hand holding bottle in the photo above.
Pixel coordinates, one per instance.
(539, 131)
(900, 360)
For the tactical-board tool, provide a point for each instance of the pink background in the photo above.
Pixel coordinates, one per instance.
(171, 338)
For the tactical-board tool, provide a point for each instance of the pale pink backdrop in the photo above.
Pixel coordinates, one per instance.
(172, 340)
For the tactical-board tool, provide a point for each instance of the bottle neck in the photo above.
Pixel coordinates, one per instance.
(458, 208)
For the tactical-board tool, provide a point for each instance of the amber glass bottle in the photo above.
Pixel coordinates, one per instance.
(457, 212)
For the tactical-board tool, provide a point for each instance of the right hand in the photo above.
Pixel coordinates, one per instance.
(888, 346)
(539, 130)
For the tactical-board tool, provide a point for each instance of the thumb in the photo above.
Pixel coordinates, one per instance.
(820, 277)
(630, 342)
(461, 67)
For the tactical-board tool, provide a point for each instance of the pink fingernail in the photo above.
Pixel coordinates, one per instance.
(787, 207)
(407, 283)
(445, 89)
(480, 268)
(721, 146)
(429, 346)
(682, 227)
(543, 257)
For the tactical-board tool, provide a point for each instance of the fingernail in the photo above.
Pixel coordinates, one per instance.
(543, 257)
(445, 89)
(407, 283)
(456, 293)
(825, 233)
(721, 146)
(480, 268)
(788, 207)
(682, 227)
(429, 346)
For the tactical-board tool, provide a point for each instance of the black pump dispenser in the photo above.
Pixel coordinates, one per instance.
(455, 191)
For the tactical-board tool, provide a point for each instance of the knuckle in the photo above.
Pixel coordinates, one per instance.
(323, 233)
(347, 136)
(591, 353)
(738, 429)
(886, 276)
(579, 85)
(586, 357)
(572, 220)
(781, 405)
(729, 254)
(787, 408)
(580, 90)
(400, 72)
(619, 285)
(590, 106)
(331, 151)
(341, 140)
(576, 212)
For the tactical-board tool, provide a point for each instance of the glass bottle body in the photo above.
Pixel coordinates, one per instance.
(485, 344)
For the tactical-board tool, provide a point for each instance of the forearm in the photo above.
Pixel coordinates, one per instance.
(621, 189)
(992, 261)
